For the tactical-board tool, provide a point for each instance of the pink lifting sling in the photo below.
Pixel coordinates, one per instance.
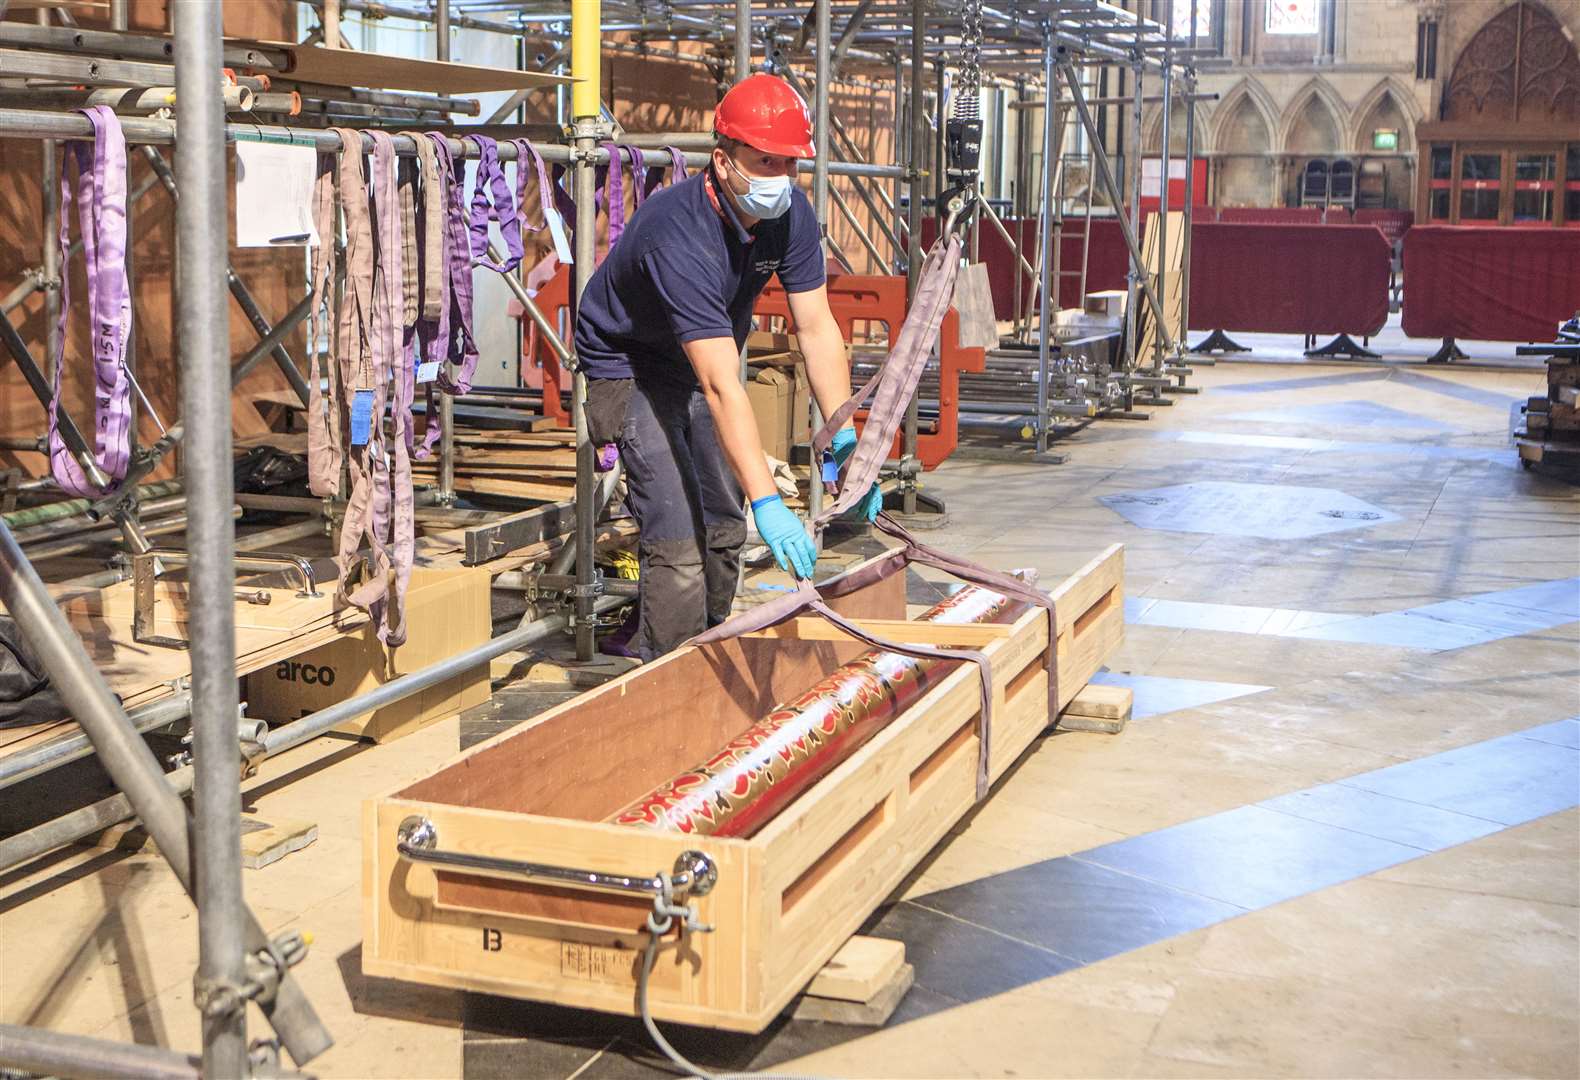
(367, 364)
(891, 388)
(100, 189)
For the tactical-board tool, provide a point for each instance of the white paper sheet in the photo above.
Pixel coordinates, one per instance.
(274, 195)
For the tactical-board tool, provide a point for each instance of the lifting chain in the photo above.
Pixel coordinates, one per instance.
(963, 134)
(968, 101)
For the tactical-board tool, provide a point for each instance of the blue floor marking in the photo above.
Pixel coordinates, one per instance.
(1274, 385)
(1236, 508)
(1447, 624)
(1155, 695)
(1490, 398)
(993, 935)
(1343, 413)
(1340, 446)
(1073, 910)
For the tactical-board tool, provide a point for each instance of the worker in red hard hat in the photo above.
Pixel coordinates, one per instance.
(659, 333)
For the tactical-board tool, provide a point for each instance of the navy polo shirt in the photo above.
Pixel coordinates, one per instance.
(681, 272)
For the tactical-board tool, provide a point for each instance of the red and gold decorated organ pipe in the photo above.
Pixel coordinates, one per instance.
(740, 788)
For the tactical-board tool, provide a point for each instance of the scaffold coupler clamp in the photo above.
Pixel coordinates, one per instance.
(576, 590)
(265, 969)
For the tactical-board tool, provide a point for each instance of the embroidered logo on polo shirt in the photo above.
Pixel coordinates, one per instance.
(766, 266)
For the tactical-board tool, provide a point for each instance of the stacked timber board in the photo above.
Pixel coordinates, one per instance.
(518, 464)
(1173, 295)
(786, 898)
(1552, 423)
(534, 462)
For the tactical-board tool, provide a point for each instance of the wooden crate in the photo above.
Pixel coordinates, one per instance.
(788, 897)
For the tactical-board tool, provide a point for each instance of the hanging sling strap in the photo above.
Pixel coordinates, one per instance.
(430, 255)
(491, 201)
(613, 197)
(394, 506)
(677, 168)
(562, 198)
(640, 178)
(406, 172)
(425, 224)
(324, 454)
(652, 176)
(892, 388)
(371, 305)
(458, 348)
(100, 189)
(525, 153)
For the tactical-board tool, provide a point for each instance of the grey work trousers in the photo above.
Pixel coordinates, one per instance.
(688, 505)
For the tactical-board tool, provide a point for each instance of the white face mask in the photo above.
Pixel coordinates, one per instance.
(767, 196)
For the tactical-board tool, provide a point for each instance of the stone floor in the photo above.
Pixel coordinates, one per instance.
(1339, 838)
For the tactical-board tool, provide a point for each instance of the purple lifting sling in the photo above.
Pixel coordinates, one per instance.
(891, 388)
(100, 189)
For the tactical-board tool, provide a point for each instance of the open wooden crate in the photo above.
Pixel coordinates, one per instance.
(786, 898)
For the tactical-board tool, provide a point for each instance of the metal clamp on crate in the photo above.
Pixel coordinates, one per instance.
(694, 874)
(145, 574)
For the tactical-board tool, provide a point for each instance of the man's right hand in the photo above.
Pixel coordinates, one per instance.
(785, 536)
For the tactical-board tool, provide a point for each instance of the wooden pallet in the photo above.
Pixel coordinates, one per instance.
(789, 896)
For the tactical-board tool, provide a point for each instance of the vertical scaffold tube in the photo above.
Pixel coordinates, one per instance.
(820, 127)
(585, 108)
(914, 186)
(203, 329)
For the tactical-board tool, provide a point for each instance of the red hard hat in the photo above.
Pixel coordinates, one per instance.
(764, 112)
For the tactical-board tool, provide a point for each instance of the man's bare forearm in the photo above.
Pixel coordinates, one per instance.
(826, 366)
(717, 364)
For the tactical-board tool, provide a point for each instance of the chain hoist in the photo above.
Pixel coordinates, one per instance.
(963, 133)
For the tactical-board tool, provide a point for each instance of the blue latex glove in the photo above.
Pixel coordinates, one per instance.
(785, 536)
(843, 445)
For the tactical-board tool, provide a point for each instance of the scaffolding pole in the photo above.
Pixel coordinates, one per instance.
(203, 329)
(135, 771)
(446, 470)
(1138, 270)
(1161, 280)
(820, 125)
(743, 39)
(1047, 239)
(1190, 187)
(585, 113)
(915, 177)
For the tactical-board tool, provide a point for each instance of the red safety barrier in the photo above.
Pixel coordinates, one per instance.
(554, 300)
(1393, 223)
(880, 298)
(1338, 215)
(1270, 215)
(1289, 279)
(1489, 284)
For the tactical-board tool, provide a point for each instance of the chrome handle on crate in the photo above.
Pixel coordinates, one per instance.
(694, 874)
(299, 565)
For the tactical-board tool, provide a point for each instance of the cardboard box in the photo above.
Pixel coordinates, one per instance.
(782, 402)
(1109, 302)
(447, 611)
